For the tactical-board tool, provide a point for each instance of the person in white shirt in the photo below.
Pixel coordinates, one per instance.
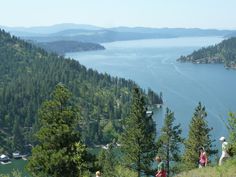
(98, 174)
(224, 154)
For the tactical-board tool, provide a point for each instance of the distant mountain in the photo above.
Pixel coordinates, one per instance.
(179, 32)
(224, 52)
(40, 30)
(62, 47)
(89, 33)
(124, 33)
(98, 36)
(57, 38)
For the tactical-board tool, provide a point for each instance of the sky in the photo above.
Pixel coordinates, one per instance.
(220, 14)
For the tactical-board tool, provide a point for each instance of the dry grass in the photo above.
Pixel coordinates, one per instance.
(227, 170)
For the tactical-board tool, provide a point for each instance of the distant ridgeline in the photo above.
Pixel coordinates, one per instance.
(62, 47)
(224, 52)
(29, 74)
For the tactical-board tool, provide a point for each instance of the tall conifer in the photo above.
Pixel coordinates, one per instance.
(138, 139)
(60, 151)
(199, 136)
(108, 161)
(232, 132)
(170, 141)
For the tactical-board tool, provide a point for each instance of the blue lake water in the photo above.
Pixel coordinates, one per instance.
(17, 165)
(152, 63)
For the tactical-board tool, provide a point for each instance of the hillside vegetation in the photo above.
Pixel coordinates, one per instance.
(227, 170)
(224, 52)
(62, 47)
(29, 74)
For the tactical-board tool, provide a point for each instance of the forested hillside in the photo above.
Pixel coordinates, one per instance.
(224, 52)
(29, 74)
(62, 47)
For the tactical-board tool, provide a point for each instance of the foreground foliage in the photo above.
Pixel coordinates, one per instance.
(198, 136)
(60, 151)
(14, 173)
(226, 170)
(138, 138)
(170, 142)
(232, 132)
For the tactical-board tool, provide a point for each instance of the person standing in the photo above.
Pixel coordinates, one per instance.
(161, 172)
(224, 154)
(98, 174)
(202, 158)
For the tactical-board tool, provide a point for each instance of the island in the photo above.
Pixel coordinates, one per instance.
(224, 52)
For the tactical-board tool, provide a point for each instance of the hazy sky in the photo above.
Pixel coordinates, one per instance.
(150, 13)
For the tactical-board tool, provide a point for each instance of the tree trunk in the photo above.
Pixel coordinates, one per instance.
(139, 166)
(168, 160)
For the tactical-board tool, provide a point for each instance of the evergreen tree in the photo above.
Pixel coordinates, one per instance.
(170, 141)
(154, 98)
(3, 142)
(232, 132)
(18, 139)
(199, 136)
(138, 138)
(60, 151)
(107, 161)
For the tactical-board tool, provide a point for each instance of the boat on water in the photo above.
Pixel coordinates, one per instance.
(5, 163)
(4, 159)
(16, 155)
(149, 113)
(24, 157)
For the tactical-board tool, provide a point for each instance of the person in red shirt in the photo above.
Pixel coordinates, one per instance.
(202, 158)
(161, 168)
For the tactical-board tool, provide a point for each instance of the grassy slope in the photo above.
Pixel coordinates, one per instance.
(227, 170)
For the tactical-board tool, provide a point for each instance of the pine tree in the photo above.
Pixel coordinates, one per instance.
(232, 132)
(138, 138)
(3, 142)
(18, 139)
(60, 151)
(170, 141)
(199, 136)
(108, 161)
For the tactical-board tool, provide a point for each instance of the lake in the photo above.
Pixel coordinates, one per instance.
(152, 63)
(15, 165)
